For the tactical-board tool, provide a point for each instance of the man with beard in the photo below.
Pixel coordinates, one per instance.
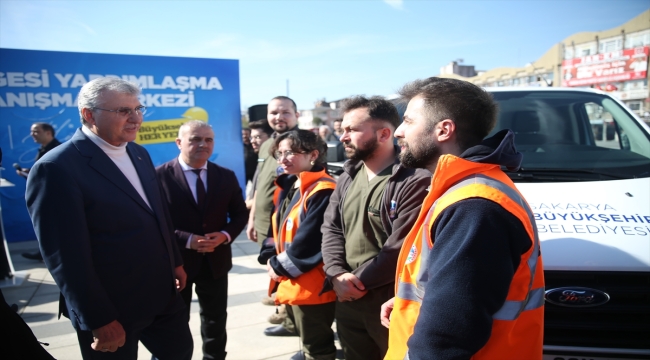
(282, 115)
(374, 205)
(479, 292)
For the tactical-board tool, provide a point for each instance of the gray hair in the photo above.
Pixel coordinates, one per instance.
(322, 127)
(92, 90)
(192, 124)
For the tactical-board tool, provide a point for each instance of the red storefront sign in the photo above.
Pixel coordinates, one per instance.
(622, 65)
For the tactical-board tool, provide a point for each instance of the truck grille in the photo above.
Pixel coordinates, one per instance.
(623, 322)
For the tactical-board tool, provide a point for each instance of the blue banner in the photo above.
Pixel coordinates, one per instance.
(42, 86)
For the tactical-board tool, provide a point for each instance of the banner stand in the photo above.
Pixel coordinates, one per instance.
(8, 276)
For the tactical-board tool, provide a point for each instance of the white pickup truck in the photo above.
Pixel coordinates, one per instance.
(586, 175)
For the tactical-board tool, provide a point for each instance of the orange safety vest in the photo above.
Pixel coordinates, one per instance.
(518, 327)
(305, 288)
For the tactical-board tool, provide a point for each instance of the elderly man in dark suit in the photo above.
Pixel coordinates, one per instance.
(208, 211)
(105, 234)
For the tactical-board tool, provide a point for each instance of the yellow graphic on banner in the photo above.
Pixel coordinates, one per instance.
(162, 131)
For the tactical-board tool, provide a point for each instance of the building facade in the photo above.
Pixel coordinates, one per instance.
(614, 60)
(326, 111)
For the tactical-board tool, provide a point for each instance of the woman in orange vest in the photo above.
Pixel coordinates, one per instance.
(294, 260)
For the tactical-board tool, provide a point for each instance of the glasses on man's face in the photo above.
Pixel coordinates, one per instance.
(126, 112)
(279, 155)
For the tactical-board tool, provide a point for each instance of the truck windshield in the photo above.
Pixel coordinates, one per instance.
(573, 136)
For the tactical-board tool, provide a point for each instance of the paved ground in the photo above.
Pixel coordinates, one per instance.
(37, 299)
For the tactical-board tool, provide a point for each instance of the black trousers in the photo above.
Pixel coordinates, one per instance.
(359, 327)
(213, 301)
(314, 325)
(167, 337)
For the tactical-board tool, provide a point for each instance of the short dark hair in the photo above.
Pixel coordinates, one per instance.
(471, 108)
(378, 108)
(303, 141)
(261, 125)
(337, 120)
(45, 126)
(295, 107)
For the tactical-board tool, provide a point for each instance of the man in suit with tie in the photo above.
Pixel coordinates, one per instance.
(208, 211)
(105, 233)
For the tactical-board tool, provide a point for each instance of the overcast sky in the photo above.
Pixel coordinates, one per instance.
(326, 49)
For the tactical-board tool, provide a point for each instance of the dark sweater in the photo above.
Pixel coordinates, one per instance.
(407, 188)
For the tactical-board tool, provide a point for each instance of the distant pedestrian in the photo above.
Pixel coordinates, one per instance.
(325, 133)
(42, 133)
(338, 130)
(260, 132)
(250, 155)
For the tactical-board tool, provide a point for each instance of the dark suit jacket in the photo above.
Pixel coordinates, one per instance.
(225, 210)
(111, 255)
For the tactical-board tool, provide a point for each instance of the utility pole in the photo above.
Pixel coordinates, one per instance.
(287, 87)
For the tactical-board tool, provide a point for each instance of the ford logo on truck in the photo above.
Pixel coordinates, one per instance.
(576, 297)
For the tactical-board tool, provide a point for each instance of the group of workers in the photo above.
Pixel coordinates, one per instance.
(419, 250)
(361, 250)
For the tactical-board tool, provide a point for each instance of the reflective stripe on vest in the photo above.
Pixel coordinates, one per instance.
(302, 288)
(510, 309)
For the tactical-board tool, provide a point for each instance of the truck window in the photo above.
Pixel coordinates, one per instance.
(577, 136)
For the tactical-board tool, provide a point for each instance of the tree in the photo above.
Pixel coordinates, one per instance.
(317, 121)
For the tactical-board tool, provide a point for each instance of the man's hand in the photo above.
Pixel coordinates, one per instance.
(217, 236)
(250, 231)
(386, 311)
(203, 244)
(23, 172)
(271, 272)
(109, 337)
(348, 287)
(181, 278)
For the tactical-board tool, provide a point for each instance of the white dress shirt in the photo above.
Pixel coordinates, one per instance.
(190, 176)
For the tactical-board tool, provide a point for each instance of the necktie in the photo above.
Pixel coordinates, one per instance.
(200, 189)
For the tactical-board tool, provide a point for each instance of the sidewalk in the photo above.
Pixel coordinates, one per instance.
(37, 299)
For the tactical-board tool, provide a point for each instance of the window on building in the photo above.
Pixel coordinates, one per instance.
(634, 105)
(585, 49)
(635, 84)
(611, 44)
(637, 39)
(568, 52)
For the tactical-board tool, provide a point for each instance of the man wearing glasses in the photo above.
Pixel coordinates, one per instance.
(105, 234)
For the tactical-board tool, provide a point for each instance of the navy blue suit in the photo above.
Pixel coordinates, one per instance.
(112, 256)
